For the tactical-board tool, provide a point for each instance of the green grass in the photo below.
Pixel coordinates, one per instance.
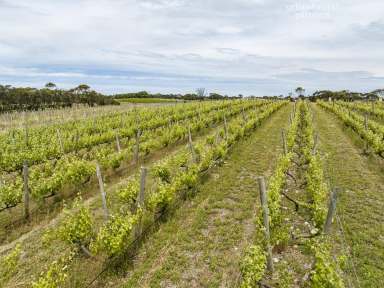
(147, 100)
(361, 204)
(202, 242)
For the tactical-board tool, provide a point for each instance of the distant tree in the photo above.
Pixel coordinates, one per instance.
(142, 94)
(371, 96)
(82, 88)
(300, 91)
(50, 85)
(337, 95)
(379, 93)
(200, 92)
(215, 96)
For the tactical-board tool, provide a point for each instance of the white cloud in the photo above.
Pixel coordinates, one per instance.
(235, 47)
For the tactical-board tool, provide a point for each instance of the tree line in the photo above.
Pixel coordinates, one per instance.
(347, 95)
(344, 95)
(200, 94)
(26, 98)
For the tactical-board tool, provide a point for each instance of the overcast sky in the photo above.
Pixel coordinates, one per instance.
(257, 47)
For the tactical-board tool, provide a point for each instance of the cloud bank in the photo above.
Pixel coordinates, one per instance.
(254, 47)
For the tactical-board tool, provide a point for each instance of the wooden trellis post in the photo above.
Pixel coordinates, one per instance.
(283, 138)
(225, 128)
(60, 140)
(366, 122)
(26, 190)
(264, 206)
(243, 113)
(366, 130)
(77, 140)
(140, 201)
(102, 192)
(191, 145)
(118, 143)
(315, 143)
(137, 147)
(26, 134)
(331, 210)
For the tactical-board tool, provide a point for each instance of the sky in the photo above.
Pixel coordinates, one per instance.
(249, 47)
